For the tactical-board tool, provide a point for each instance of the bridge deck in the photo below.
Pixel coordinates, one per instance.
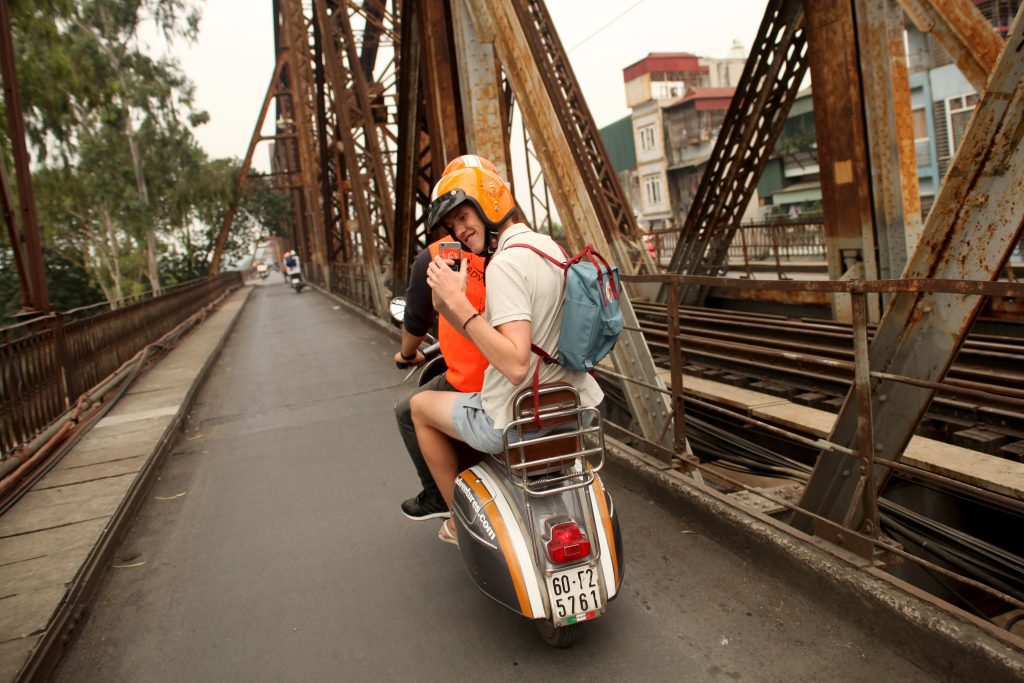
(272, 548)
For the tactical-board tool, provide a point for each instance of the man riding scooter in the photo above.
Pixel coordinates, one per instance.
(522, 312)
(465, 362)
(293, 270)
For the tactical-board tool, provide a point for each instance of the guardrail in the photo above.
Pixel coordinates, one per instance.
(48, 362)
(762, 242)
(866, 542)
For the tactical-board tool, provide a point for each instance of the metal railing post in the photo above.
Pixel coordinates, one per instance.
(676, 366)
(865, 420)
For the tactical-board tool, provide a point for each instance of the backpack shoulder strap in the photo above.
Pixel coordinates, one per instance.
(545, 359)
(542, 254)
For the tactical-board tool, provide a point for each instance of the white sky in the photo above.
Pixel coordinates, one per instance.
(232, 61)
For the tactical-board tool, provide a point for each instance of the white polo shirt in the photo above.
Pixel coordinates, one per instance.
(521, 285)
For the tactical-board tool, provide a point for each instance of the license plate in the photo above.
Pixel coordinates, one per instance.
(575, 595)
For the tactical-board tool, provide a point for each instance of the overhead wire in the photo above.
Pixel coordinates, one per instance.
(624, 13)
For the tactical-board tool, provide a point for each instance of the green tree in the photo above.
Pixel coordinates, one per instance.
(89, 85)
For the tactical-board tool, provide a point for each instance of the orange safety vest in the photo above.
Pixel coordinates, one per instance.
(466, 364)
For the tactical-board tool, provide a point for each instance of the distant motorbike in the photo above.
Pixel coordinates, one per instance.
(537, 529)
(295, 281)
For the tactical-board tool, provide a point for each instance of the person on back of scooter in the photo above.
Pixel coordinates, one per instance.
(291, 264)
(465, 362)
(523, 308)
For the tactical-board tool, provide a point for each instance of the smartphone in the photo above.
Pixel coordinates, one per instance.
(451, 250)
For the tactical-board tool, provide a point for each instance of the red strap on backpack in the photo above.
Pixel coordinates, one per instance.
(546, 357)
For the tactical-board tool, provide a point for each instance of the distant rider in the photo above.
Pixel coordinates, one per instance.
(291, 264)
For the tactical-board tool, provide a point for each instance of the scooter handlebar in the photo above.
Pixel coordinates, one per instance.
(429, 352)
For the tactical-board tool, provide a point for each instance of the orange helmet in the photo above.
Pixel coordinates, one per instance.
(482, 188)
(469, 161)
(464, 161)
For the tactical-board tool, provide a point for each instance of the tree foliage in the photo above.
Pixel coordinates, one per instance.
(125, 195)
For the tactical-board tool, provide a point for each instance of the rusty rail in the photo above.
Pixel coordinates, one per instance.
(46, 365)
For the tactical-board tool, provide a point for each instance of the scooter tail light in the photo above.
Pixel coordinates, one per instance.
(568, 543)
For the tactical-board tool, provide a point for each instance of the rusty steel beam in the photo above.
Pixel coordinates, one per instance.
(352, 109)
(842, 144)
(969, 234)
(890, 132)
(480, 79)
(410, 115)
(766, 90)
(373, 11)
(302, 86)
(333, 226)
(616, 219)
(35, 297)
(442, 94)
(509, 28)
(373, 138)
(960, 27)
(13, 233)
(243, 176)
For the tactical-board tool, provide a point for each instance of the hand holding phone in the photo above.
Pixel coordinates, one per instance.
(451, 251)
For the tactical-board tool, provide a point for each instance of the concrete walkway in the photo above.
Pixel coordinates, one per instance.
(52, 532)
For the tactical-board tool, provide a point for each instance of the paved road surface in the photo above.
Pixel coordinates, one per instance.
(272, 549)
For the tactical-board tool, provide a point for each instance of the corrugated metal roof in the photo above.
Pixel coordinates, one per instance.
(701, 93)
(663, 61)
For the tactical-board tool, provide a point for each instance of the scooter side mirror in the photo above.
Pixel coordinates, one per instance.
(397, 309)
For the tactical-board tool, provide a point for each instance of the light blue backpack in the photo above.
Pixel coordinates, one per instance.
(591, 321)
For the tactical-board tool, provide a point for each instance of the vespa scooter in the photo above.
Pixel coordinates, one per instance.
(537, 529)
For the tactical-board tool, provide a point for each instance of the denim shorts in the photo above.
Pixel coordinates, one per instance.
(474, 425)
(477, 428)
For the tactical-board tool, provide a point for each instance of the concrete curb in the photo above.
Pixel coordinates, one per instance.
(939, 638)
(82, 588)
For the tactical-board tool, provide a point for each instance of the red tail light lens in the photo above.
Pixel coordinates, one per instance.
(568, 543)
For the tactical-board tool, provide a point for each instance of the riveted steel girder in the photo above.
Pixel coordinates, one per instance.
(296, 38)
(480, 80)
(970, 231)
(962, 30)
(25, 240)
(763, 97)
(369, 187)
(242, 182)
(890, 132)
(841, 133)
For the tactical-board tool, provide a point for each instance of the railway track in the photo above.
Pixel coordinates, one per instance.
(810, 361)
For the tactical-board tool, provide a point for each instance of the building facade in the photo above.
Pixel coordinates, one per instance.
(942, 102)
(678, 101)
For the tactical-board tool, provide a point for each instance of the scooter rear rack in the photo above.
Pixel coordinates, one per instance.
(541, 473)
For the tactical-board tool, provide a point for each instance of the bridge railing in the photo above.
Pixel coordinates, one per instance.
(761, 242)
(864, 539)
(47, 363)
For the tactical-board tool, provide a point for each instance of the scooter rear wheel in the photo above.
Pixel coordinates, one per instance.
(559, 637)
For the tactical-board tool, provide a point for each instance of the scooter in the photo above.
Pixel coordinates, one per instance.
(295, 281)
(537, 529)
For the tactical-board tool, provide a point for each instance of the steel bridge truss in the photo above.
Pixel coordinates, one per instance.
(374, 98)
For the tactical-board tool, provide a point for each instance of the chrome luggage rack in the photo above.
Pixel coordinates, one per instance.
(548, 475)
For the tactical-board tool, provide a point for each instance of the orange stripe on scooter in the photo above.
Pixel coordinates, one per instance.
(504, 542)
(606, 519)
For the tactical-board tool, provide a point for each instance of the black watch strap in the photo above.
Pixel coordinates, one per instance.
(405, 357)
